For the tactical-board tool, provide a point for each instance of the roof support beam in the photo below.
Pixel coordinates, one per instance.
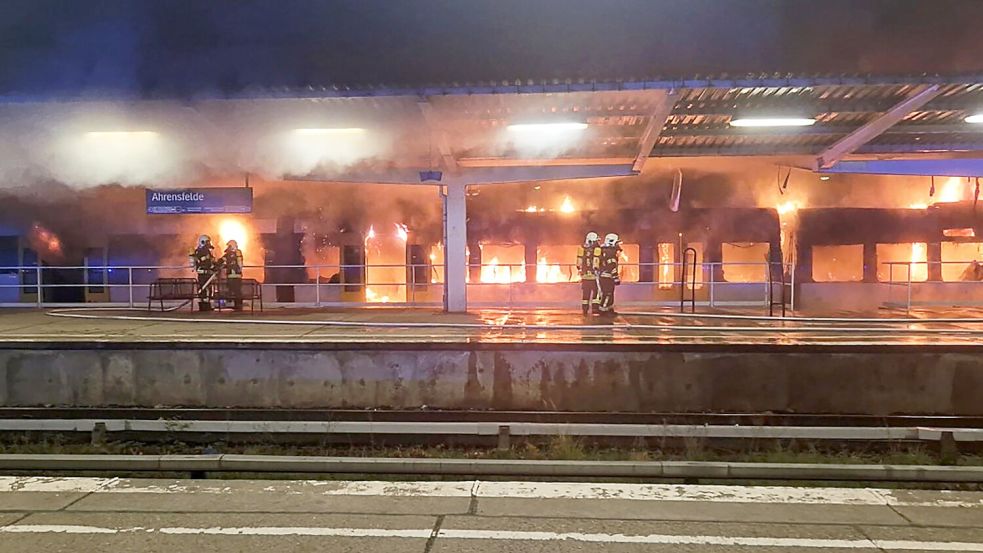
(480, 175)
(851, 142)
(957, 167)
(438, 134)
(660, 113)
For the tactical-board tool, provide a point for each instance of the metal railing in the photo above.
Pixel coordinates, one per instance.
(341, 284)
(909, 283)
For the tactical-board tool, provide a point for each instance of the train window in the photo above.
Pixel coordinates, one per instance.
(893, 261)
(8, 255)
(385, 268)
(957, 258)
(666, 258)
(843, 263)
(323, 261)
(437, 264)
(556, 264)
(95, 270)
(503, 263)
(629, 263)
(745, 261)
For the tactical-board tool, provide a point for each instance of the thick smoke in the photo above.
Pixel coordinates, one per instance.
(172, 144)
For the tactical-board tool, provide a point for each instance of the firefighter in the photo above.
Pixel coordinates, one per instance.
(232, 259)
(588, 260)
(608, 276)
(204, 266)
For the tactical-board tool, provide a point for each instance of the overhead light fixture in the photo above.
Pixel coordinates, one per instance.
(772, 122)
(329, 131)
(547, 127)
(824, 177)
(977, 118)
(121, 134)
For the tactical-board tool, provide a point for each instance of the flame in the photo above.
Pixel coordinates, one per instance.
(787, 207)
(918, 206)
(45, 241)
(546, 272)
(371, 233)
(665, 266)
(233, 229)
(567, 206)
(402, 232)
(493, 273)
(919, 255)
(372, 297)
(531, 209)
(953, 190)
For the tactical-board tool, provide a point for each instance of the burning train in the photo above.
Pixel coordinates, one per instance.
(830, 257)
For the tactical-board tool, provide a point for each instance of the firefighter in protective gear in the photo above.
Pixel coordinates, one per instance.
(204, 266)
(232, 259)
(608, 277)
(588, 261)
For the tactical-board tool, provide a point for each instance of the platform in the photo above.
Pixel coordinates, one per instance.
(931, 364)
(385, 327)
(92, 514)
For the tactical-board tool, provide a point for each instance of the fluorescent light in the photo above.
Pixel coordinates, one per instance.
(978, 118)
(547, 127)
(772, 122)
(121, 134)
(326, 132)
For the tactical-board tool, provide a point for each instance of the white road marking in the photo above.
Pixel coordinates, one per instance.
(514, 490)
(507, 535)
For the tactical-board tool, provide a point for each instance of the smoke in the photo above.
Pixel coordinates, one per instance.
(172, 144)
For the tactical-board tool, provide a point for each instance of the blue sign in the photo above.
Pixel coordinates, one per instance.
(200, 200)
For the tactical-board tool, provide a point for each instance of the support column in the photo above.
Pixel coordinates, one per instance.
(934, 257)
(455, 247)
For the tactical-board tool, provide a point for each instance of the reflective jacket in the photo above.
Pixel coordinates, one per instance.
(233, 263)
(588, 261)
(609, 261)
(202, 260)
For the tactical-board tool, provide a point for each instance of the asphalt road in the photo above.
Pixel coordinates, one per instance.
(485, 326)
(215, 516)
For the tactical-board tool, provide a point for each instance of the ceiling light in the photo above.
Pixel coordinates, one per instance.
(121, 134)
(824, 177)
(978, 118)
(772, 122)
(327, 132)
(547, 127)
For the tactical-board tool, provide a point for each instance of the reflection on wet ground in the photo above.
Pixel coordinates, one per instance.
(545, 326)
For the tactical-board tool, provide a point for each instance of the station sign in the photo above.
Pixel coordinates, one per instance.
(200, 201)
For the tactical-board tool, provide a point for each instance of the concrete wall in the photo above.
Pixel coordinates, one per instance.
(817, 382)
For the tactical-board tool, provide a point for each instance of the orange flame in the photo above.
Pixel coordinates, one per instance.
(402, 232)
(567, 206)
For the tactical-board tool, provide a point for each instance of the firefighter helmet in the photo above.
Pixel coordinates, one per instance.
(591, 239)
(611, 240)
(232, 244)
(204, 240)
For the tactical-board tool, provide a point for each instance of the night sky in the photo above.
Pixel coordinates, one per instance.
(183, 48)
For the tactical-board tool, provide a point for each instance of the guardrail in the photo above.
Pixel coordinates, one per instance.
(27, 284)
(910, 283)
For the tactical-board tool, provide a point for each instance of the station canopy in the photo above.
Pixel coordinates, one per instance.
(525, 123)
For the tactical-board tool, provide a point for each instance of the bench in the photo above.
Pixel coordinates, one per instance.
(252, 291)
(172, 289)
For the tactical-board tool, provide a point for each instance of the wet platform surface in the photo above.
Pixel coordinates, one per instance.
(223, 516)
(937, 327)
